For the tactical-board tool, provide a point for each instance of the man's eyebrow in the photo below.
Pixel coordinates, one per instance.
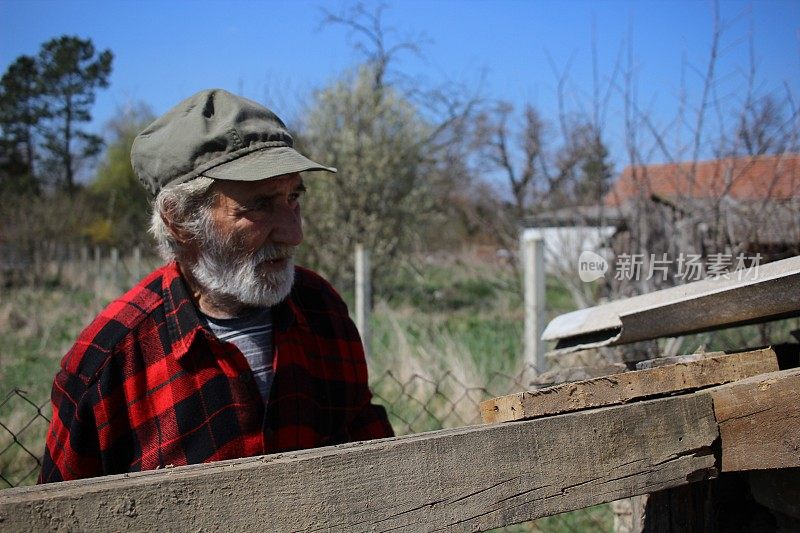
(266, 197)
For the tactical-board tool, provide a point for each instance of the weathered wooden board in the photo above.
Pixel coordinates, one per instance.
(621, 388)
(467, 479)
(759, 421)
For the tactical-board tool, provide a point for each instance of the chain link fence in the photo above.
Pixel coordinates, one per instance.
(23, 423)
(417, 403)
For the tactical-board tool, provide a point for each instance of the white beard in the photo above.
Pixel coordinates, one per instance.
(235, 278)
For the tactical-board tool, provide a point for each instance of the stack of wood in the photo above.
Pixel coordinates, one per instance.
(739, 453)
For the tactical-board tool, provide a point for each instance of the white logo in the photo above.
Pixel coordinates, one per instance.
(591, 266)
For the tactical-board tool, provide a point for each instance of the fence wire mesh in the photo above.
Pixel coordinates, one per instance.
(23, 423)
(415, 403)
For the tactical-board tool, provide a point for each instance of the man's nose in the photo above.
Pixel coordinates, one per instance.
(287, 227)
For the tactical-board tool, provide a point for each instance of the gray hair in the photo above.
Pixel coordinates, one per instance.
(188, 207)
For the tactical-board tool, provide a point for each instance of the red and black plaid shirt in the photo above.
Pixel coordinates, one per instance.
(146, 385)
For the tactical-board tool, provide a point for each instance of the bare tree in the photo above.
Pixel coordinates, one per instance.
(702, 201)
(369, 37)
(516, 152)
(393, 154)
(766, 128)
(726, 190)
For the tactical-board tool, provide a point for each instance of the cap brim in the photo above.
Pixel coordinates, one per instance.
(263, 164)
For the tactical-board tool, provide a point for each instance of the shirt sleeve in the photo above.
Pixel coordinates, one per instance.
(71, 445)
(370, 422)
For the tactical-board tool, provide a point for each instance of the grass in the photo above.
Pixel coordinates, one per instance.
(431, 372)
(37, 326)
(446, 334)
(597, 518)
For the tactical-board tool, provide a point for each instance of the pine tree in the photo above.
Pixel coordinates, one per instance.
(71, 71)
(21, 111)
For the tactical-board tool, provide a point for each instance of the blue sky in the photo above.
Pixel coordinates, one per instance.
(276, 52)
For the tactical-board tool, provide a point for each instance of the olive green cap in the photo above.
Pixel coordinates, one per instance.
(218, 135)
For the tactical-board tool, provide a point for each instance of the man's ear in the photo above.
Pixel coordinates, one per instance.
(179, 233)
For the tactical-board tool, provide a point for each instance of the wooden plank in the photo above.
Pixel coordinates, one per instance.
(467, 479)
(622, 388)
(759, 421)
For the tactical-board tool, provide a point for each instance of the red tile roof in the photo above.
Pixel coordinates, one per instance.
(742, 178)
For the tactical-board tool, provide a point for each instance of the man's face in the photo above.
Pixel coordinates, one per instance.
(246, 255)
(260, 212)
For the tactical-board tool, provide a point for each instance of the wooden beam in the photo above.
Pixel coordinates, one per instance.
(759, 421)
(467, 479)
(628, 386)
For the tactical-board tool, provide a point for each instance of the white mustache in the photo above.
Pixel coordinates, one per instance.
(272, 252)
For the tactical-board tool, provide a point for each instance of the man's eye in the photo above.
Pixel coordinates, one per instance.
(252, 208)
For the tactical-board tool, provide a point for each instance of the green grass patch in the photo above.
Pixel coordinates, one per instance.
(37, 327)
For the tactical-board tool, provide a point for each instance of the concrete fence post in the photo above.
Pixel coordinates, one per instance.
(137, 264)
(363, 294)
(97, 262)
(115, 266)
(532, 256)
(84, 265)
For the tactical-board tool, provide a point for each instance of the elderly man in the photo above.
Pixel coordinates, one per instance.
(229, 350)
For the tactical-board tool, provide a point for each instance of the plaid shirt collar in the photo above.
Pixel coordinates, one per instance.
(183, 321)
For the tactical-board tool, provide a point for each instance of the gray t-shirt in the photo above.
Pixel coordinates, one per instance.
(252, 334)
